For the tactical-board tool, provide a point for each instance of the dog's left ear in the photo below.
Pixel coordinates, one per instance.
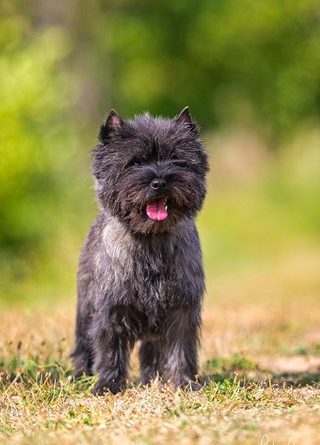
(112, 124)
(185, 118)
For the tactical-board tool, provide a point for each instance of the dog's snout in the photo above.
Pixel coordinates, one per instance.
(158, 184)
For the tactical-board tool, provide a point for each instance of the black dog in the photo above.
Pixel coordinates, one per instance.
(140, 273)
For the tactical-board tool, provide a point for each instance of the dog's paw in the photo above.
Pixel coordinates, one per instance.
(191, 386)
(80, 372)
(103, 386)
(187, 385)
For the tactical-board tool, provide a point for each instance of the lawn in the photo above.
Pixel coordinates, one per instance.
(260, 363)
(260, 355)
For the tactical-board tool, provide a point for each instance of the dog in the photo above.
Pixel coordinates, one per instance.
(140, 274)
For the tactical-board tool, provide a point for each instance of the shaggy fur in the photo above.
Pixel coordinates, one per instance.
(139, 278)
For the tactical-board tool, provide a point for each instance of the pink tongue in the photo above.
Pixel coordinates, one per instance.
(156, 210)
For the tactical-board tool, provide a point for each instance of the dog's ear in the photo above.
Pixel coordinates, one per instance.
(185, 118)
(112, 124)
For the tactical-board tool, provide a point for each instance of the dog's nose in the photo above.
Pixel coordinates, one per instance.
(158, 184)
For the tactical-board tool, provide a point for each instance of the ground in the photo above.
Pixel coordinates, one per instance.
(260, 361)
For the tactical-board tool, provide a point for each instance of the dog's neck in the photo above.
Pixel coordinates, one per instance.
(115, 229)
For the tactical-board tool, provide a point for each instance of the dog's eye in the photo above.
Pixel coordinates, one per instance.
(134, 163)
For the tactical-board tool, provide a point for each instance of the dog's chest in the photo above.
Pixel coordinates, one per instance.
(155, 276)
(144, 274)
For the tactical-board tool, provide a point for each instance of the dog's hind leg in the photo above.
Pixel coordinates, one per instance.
(149, 356)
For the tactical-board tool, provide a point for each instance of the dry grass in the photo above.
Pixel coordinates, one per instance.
(260, 361)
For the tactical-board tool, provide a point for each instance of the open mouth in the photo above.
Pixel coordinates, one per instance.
(157, 210)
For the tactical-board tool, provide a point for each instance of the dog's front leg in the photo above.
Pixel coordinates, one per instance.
(111, 360)
(180, 348)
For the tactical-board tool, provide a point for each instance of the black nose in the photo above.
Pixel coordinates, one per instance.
(158, 184)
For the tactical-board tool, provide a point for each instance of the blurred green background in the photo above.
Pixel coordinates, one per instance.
(250, 72)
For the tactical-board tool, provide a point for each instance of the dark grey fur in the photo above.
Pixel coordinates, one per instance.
(140, 279)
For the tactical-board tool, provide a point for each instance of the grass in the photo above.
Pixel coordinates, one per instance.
(260, 355)
(248, 396)
(260, 364)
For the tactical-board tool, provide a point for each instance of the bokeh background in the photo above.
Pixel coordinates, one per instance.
(250, 72)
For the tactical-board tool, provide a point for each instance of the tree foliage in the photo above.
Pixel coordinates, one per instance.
(34, 130)
(64, 64)
(250, 62)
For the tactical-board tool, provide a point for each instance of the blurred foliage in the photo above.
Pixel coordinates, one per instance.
(32, 112)
(249, 64)
(36, 142)
(253, 62)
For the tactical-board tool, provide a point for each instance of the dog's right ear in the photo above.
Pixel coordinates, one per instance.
(112, 124)
(185, 119)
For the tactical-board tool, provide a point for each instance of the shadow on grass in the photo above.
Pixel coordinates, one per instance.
(50, 382)
(219, 370)
(32, 371)
(296, 379)
(246, 372)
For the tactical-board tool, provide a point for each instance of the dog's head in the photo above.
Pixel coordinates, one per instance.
(150, 172)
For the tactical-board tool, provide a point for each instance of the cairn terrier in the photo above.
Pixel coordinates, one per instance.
(140, 273)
